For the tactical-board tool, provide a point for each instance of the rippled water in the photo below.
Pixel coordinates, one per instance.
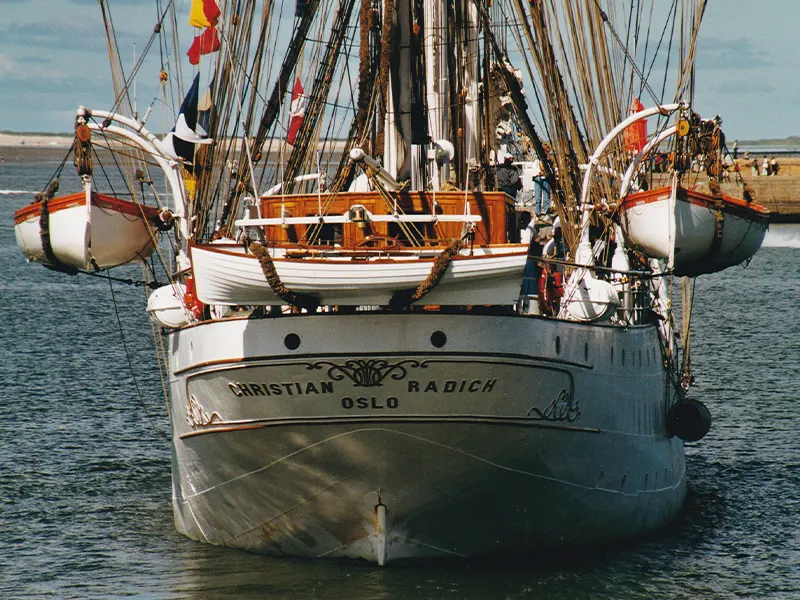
(85, 465)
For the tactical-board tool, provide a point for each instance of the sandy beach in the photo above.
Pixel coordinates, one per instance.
(10, 140)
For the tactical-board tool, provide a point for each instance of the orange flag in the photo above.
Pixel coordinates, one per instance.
(635, 136)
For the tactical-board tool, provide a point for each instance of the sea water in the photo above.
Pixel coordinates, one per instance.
(85, 487)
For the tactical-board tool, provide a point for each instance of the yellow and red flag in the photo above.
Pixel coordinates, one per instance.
(203, 13)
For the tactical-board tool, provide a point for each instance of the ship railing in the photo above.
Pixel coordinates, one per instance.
(357, 214)
(637, 303)
(320, 178)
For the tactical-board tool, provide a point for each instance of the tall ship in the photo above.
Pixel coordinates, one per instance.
(374, 348)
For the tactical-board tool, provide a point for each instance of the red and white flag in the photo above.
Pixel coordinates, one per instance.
(297, 111)
(205, 43)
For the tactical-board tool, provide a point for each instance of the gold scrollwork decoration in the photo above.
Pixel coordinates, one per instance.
(197, 416)
(563, 408)
(366, 372)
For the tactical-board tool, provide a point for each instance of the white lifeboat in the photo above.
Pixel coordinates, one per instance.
(225, 274)
(708, 233)
(111, 233)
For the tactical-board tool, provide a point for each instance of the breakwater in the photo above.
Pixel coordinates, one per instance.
(779, 193)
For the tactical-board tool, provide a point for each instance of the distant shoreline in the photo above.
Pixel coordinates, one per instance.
(21, 140)
(44, 140)
(9, 139)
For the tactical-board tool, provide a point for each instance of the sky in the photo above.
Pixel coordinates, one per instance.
(53, 58)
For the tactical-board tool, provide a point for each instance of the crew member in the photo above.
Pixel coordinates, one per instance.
(508, 180)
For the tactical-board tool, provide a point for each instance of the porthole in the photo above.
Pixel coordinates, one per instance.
(438, 339)
(292, 341)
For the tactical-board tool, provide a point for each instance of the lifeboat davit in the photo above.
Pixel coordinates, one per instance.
(63, 234)
(709, 232)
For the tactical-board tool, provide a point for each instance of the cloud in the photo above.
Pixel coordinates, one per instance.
(720, 53)
(37, 61)
(38, 108)
(14, 85)
(94, 2)
(41, 37)
(746, 86)
(7, 66)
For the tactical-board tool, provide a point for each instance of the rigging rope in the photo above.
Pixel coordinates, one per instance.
(687, 288)
(130, 363)
(624, 49)
(278, 91)
(319, 91)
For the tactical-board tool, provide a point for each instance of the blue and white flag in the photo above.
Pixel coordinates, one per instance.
(180, 142)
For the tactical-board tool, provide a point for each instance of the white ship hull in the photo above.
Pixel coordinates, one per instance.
(436, 438)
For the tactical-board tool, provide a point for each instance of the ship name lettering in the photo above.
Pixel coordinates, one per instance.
(293, 388)
(450, 386)
(371, 402)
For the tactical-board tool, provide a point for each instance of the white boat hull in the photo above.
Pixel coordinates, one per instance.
(436, 438)
(227, 276)
(707, 238)
(115, 233)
